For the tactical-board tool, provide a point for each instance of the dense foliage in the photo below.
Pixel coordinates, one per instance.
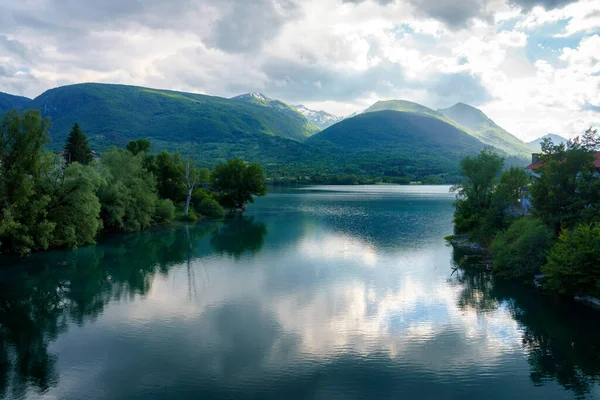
(48, 202)
(574, 263)
(565, 194)
(238, 183)
(521, 250)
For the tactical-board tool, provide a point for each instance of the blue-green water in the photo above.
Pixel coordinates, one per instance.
(322, 293)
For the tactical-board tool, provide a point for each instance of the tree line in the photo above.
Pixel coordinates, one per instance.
(560, 237)
(66, 200)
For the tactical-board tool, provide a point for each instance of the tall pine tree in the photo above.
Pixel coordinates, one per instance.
(77, 148)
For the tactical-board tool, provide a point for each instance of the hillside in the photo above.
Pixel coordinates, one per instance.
(8, 101)
(483, 128)
(476, 124)
(404, 142)
(536, 145)
(321, 118)
(115, 114)
(286, 110)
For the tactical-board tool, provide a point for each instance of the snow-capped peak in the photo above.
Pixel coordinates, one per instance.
(253, 95)
(321, 118)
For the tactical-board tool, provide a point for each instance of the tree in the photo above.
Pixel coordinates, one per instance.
(192, 177)
(566, 192)
(128, 196)
(138, 146)
(238, 183)
(77, 148)
(74, 207)
(24, 225)
(521, 251)
(474, 193)
(574, 263)
(170, 180)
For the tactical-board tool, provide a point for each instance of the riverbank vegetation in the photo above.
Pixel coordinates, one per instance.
(66, 200)
(559, 236)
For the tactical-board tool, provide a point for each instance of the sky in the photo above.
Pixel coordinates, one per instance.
(533, 66)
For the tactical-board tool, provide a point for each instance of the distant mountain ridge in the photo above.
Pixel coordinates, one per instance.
(261, 100)
(9, 101)
(321, 118)
(536, 145)
(397, 138)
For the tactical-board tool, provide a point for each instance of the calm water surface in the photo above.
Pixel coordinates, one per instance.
(319, 293)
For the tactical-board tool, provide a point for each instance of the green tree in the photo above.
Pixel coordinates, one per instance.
(128, 196)
(138, 146)
(474, 193)
(521, 251)
(77, 148)
(566, 192)
(74, 207)
(170, 181)
(24, 225)
(574, 263)
(238, 183)
(192, 178)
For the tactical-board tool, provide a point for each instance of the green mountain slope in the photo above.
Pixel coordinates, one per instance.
(406, 142)
(261, 100)
(483, 128)
(115, 114)
(8, 102)
(403, 106)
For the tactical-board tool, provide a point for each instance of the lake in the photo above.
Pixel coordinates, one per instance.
(345, 292)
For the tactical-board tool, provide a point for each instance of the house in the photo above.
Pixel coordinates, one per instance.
(536, 164)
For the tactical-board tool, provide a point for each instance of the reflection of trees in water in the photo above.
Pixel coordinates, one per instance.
(40, 297)
(239, 235)
(560, 338)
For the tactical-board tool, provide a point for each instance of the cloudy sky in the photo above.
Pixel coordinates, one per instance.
(532, 65)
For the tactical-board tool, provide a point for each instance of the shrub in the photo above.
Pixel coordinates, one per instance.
(211, 208)
(521, 250)
(574, 263)
(165, 211)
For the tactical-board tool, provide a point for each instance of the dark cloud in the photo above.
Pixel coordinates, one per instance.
(448, 89)
(15, 48)
(455, 14)
(315, 82)
(245, 25)
(527, 5)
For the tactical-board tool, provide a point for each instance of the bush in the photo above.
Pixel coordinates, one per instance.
(165, 211)
(520, 252)
(574, 263)
(211, 208)
(192, 217)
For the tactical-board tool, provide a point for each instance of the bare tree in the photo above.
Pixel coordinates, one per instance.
(192, 178)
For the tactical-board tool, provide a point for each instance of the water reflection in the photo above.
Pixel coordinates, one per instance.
(326, 305)
(237, 236)
(560, 339)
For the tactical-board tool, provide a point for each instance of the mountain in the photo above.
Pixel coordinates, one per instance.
(8, 101)
(321, 118)
(536, 145)
(483, 128)
(403, 106)
(404, 142)
(261, 100)
(114, 114)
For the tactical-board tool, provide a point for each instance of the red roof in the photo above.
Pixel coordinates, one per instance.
(538, 164)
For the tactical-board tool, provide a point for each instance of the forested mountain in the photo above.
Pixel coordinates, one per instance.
(115, 114)
(483, 128)
(8, 101)
(398, 142)
(536, 145)
(405, 141)
(466, 118)
(259, 99)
